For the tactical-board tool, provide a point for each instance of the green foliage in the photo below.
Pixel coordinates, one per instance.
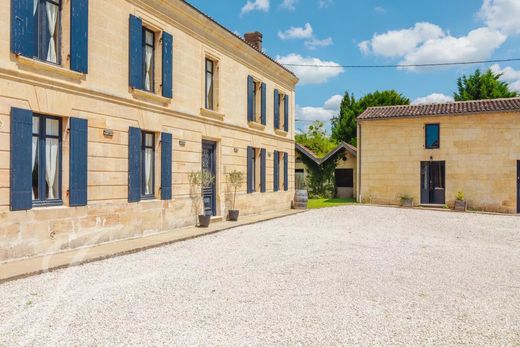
(320, 178)
(344, 126)
(480, 86)
(316, 139)
(202, 178)
(235, 179)
(460, 196)
(323, 203)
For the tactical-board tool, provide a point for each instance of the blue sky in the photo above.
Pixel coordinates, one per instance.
(347, 32)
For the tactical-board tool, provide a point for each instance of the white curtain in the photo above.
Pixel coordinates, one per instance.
(35, 6)
(209, 91)
(51, 165)
(148, 62)
(148, 171)
(52, 17)
(34, 149)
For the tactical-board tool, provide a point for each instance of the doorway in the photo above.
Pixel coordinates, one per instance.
(433, 182)
(209, 164)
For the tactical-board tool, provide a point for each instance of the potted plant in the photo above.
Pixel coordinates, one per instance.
(460, 202)
(235, 179)
(199, 180)
(406, 201)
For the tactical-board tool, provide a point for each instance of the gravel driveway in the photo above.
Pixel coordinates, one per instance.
(354, 275)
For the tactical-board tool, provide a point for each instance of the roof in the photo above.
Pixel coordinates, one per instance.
(238, 37)
(450, 108)
(311, 155)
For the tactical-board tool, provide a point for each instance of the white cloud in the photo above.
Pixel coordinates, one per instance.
(435, 98)
(380, 10)
(502, 15)
(325, 3)
(255, 5)
(324, 113)
(289, 4)
(314, 43)
(297, 33)
(509, 75)
(311, 74)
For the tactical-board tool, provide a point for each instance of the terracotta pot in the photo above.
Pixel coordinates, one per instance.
(233, 215)
(204, 221)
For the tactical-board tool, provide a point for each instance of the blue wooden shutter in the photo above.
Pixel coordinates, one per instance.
(167, 65)
(286, 171)
(286, 113)
(78, 159)
(250, 173)
(134, 164)
(276, 109)
(264, 104)
(79, 35)
(23, 25)
(262, 170)
(21, 159)
(276, 171)
(166, 166)
(250, 97)
(136, 53)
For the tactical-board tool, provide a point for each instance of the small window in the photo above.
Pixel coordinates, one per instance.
(257, 102)
(149, 59)
(48, 23)
(148, 165)
(210, 87)
(281, 112)
(432, 136)
(281, 171)
(46, 160)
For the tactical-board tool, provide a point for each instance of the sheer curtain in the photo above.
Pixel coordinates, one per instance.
(34, 150)
(52, 16)
(148, 171)
(35, 6)
(148, 67)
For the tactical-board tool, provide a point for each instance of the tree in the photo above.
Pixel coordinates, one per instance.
(316, 139)
(344, 126)
(480, 86)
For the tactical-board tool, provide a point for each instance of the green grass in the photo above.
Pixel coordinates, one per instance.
(322, 203)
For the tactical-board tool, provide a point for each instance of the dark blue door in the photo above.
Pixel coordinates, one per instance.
(209, 164)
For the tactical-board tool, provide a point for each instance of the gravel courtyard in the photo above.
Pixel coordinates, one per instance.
(353, 275)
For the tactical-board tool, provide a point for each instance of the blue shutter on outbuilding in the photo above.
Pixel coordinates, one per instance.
(250, 99)
(276, 109)
(167, 65)
(250, 173)
(23, 25)
(21, 159)
(262, 170)
(136, 53)
(166, 166)
(134, 164)
(78, 162)
(286, 113)
(79, 35)
(264, 104)
(276, 171)
(286, 171)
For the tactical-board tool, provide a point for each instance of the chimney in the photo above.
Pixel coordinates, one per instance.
(254, 39)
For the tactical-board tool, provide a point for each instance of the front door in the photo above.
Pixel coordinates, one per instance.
(518, 186)
(433, 182)
(209, 164)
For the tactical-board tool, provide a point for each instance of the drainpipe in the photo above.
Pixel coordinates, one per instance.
(359, 152)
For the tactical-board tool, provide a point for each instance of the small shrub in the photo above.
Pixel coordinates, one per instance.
(460, 196)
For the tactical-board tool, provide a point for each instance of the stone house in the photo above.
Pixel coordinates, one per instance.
(344, 179)
(106, 107)
(432, 152)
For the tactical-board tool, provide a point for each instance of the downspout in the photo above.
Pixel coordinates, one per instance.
(359, 154)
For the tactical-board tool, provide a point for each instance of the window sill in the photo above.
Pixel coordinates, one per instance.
(148, 96)
(256, 125)
(211, 114)
(47, 205)
(49, 67)
(280, 132)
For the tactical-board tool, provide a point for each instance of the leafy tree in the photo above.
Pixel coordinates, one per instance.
(344, 126)
(480, 86)
(316, 139)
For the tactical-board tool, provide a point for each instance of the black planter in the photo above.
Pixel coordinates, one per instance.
(233, 215)
(204, 221)
(461, 205)
(407, 202)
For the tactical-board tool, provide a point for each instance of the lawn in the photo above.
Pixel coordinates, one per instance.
(322, 203)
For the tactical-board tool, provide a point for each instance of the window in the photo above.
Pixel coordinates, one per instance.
(256, 165)
(47, 15)
(257, 101)
(46, 160)
(281, 171)
(148, 165)
(149, 59)
(281, 112)
(210, 68)
(432, 132)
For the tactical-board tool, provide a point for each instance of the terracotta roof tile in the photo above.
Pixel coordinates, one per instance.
(451, 108)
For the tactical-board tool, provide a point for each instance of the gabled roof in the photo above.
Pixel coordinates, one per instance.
(450, 108)
(311, 155)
